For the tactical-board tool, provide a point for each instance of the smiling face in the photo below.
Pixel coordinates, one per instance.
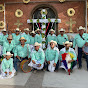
(8, 57)
(67, 46)
(9, 40)
(52, 45)
(37, 48)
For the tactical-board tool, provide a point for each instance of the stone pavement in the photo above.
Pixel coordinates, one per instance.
(77, 79)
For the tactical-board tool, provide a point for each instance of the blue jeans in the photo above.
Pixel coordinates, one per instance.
(80, 57)
(16, 60)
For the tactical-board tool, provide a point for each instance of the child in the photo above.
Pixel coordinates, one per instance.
(7, 69)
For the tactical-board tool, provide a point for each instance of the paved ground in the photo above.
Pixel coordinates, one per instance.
(78, 79)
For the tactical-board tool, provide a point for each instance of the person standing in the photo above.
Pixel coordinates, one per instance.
(61, 38)
(80, 40)
(50, 37)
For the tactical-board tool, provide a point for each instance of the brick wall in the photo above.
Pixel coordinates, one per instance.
(61, 10)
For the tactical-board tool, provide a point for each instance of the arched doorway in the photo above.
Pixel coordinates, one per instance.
(51, 13)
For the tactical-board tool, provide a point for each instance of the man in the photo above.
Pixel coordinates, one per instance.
(37, 58)
(32, 40)
(68, 50)
(16, 36)
(3, 37)
(26, 35)
(50, 37)
(61, 38)
(22, 52)
(8, 46)
(38, 37)
(80, 40)
(52, 54)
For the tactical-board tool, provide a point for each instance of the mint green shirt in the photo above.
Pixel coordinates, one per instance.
(70, 50)
(32, 40)
(7, 64)
(38, 55)
(52, 54)
(16, 38)
(3, 38)
(8, 47)
(79, 41)
(27, 37)
(51, 37)
(22, 51)
(61, 39)
(38, 38)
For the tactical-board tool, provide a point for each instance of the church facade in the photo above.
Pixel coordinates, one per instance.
(67, 14)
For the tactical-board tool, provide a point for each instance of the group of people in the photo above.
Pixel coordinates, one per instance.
(18, 46)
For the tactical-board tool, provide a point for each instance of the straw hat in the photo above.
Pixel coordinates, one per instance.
(62, 30)
(80, 28)
(3, 30)
(33, 32)
(38, 30)
(22, 38)
(51, 30)
(10, 37)
(53, 42)
(26, 29)
(67, 42)
(37, 44)
(8, 54)
(17, 29)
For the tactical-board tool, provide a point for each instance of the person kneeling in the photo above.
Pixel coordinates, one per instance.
(7, 70)
(22, 52)
(68, 57)
(37, 58)
(52, 54)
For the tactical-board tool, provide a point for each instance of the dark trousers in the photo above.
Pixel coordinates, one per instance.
(74, 64)
(86, 57)
(60, 46)
(16, 60)
(80, 57)
(46, 65)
